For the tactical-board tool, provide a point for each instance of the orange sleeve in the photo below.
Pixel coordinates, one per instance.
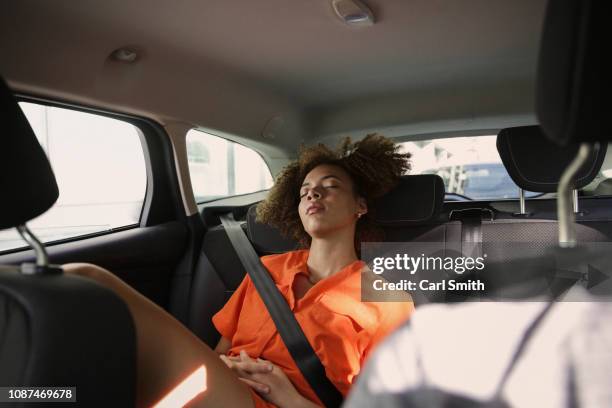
(226, 319)
(393, 314)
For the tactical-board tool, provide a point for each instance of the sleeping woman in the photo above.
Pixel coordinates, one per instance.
(321, 200)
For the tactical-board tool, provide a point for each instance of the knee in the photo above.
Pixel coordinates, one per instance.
(100, 275)
(86, 270)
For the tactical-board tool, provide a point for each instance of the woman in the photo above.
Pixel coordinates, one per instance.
(322, 201)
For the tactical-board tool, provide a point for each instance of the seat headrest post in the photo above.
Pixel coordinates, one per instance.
(42, 259)
(522, 202)
(567, 231)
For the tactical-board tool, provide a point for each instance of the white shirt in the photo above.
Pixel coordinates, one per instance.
(464, 349)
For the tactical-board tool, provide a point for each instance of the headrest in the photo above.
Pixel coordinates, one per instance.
(535, 163)
(27, 182)
(415, 200)
(572, 95)
(265, 238)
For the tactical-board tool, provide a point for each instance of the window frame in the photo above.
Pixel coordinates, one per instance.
(162, 201)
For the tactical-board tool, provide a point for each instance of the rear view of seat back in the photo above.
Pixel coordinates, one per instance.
(55, 330)
(535, 164)
(523, 150)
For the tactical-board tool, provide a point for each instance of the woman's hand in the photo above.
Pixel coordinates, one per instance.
(245, 367)
(268, 379)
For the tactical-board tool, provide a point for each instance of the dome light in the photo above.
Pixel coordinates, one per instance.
(353, 12)
(127, 55)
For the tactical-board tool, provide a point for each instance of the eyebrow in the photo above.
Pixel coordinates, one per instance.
(325, 177)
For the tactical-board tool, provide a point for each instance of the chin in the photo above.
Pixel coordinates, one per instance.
(319, 231)
(323, 232)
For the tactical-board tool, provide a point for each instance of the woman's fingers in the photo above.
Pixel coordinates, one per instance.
(244, 356)
(227, 360)
(253, 367)
(246, 363)
(233, 365)
(243, 366)
(262, 388)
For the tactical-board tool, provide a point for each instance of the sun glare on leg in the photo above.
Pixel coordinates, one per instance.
(185, 391)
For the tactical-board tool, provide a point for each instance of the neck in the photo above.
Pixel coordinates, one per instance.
(329, 255)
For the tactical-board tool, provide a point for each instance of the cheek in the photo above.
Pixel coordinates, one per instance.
(345, 206)
(302, 211)
(302, 208)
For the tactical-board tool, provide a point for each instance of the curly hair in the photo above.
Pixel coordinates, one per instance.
(374, 165)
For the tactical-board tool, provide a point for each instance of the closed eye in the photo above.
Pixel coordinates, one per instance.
(302, 195)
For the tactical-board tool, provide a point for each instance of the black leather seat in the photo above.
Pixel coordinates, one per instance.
(55, 330)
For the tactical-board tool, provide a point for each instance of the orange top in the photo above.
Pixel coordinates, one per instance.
(341, 329)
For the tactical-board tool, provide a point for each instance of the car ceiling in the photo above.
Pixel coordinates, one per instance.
(277, 73)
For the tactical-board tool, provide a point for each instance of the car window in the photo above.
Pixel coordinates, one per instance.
(470, 167)
(100, 170)
(221, 168)
(602, 183)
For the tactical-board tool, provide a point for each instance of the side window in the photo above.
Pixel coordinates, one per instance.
(221, 168)
(100, 170)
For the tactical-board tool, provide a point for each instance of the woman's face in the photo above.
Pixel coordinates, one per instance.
(327, 202)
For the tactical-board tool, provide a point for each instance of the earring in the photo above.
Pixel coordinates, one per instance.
(359, 215)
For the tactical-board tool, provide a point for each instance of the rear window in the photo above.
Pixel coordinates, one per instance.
(100, 171)
(472, 169)
(221, 168)
(602, 183)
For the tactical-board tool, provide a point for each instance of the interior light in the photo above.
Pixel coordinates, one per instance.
(353, 12)
(125, 54)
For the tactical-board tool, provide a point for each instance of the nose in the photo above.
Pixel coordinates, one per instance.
(313, 193)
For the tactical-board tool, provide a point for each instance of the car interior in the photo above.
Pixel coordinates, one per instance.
(135, 126)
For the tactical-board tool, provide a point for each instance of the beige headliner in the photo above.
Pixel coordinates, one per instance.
(425, 67)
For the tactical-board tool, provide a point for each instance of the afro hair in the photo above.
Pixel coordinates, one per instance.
(374, 165)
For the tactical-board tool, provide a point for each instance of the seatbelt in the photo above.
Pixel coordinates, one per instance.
(471, 243)
(471, 229)
(289, 329)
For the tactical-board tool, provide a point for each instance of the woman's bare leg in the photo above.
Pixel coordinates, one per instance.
(167, 351)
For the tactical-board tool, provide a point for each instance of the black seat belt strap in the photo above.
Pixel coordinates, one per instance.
(471, 244)
(289, 329)
(471, 229)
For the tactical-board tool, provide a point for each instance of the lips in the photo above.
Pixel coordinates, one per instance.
(314, 208)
